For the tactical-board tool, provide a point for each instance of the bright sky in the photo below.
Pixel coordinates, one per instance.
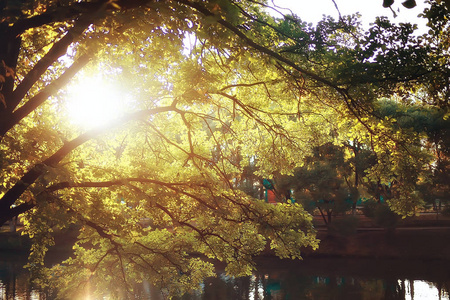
(93, 101)
(312, 11)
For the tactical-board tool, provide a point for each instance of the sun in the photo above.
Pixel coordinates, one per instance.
(94, 102)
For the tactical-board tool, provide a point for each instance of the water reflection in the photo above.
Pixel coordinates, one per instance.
(14, 280)
(359, 279)
(278, 279)
(319, 288)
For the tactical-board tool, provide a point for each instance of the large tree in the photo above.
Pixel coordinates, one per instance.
(212, 88)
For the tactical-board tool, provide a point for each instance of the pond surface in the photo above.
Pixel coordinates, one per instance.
(313, 278)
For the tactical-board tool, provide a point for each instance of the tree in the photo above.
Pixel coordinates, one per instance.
(431, 128)
(320, 183)
(155, 191)
(145, 189)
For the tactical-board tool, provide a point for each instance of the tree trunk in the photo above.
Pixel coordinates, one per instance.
(9, 53)
(323, 216)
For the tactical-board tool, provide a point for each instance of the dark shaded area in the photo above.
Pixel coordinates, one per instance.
(427, 244)
(312, 278)
(382, 264)
(15, 280)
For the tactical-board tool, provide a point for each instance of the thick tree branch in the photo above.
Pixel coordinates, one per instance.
(57, 14)
(110, 183)
(71, 12)
(58, 49)
(15, 211)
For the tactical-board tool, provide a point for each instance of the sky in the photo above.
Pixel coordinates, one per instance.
(312, 11)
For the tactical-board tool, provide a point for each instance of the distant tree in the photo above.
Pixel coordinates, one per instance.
(432, 129)
(319, 183)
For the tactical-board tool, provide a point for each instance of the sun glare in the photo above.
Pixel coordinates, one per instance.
(93, 102)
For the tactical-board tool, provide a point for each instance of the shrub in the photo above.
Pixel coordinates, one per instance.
(446, 211)
(385, 217)
(369, 207)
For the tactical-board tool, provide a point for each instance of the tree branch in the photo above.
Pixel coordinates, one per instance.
(48, 91)
(71, 12)
(260, 48)
(58, 49)
(102, 232)
(57, 14)
(110, 183)
(15, 211)
(40, 169)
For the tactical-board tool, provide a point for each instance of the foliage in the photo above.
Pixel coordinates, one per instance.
(214, 89)
(369, 207)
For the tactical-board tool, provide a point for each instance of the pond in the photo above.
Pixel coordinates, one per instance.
(313, 278)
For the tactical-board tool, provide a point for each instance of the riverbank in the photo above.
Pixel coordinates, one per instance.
(410, 242)
(422, 237)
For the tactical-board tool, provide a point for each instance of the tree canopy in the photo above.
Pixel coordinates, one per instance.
(209, 89)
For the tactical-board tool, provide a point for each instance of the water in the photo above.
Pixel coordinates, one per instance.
(14, 279)
(313, 278)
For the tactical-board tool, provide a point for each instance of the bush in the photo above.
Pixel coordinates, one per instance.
(369, 208)
(385, 217)
(446, 211)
